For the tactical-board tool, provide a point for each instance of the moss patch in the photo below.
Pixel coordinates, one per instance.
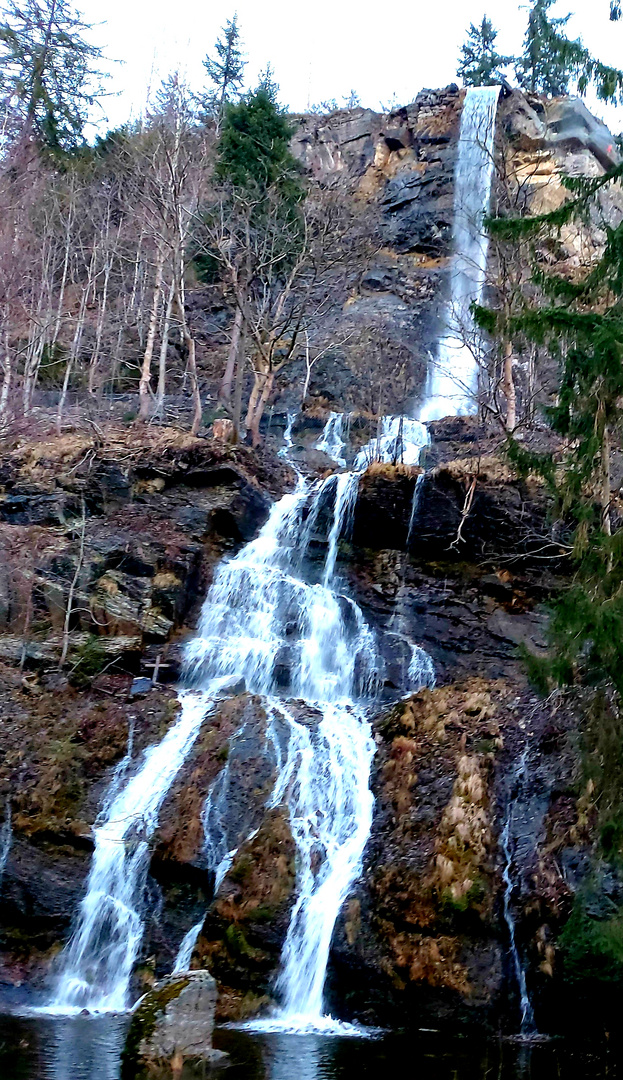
(592, 940)
(144, 1022)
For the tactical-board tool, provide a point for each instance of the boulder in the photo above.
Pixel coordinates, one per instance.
(570, 126)
(173, 1023)
(522, 124)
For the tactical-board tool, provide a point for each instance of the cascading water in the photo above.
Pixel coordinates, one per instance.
(332, 441)
(452, 385)
(288, 441)
(264, 604)
(415, 505)
(96, 965)
(400, 439)
(224, 833)
(323, 775)
(259, 605)
(528, 1027)
(6, 839)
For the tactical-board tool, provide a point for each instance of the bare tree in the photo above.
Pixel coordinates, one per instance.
(281, 271)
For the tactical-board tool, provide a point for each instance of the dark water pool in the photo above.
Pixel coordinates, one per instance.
(89, 1049)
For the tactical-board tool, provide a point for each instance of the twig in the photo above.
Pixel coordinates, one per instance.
(467, 505)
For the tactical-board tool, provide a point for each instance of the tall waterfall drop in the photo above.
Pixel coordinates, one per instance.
(452, 384)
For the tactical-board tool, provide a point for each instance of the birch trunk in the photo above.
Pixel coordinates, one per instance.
(189, 342)
(144, 384)
(224, 391)
(6, 381)
(162, 364)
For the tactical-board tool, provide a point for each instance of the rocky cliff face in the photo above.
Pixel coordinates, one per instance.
(108, 544)
(423, 932)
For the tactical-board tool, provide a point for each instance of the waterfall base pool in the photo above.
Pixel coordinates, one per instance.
(88, 1048)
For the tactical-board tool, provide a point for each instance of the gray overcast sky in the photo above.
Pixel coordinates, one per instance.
(323, 48)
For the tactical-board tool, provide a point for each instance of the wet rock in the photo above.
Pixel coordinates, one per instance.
(172, 1024)
(16, 649)
(140, 687)
(383, 508)
(243, 935)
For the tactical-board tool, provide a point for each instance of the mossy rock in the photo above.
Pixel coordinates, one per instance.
(592, 940)
(174, 1021)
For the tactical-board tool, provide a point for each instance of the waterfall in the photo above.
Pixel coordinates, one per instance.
(266, 610)
(96, 965)
(452, 384)
(400, 440)
(330, 806)
(332, 441)
(415, 504)
(6, 839)
(346, 487)
(288, 441)
(221, 842)
(528, 1027)
(185, 952)
(261, 607)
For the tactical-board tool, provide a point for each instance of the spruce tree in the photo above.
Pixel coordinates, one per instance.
(225, 71)
(540, 68)
(48, 70)
(268, 83)
(254, 149)
(551, 61)
(480, 63)
(582, 321)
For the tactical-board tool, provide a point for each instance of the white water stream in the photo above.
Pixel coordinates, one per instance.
(97, 963)
(332, 441)
(452, 386)
(528, 1027)
(6, 839)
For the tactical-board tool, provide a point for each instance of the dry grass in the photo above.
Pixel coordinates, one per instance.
(390, 472)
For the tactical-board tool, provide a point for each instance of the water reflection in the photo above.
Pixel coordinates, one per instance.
(85, 1048)
(89, 1048)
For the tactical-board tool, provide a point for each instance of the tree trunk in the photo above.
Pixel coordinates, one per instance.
(308, 371)
(6, 382)
(75, 347)
(253, 398)
(162, 365)
(224, 390)
(189, 341)
(192, 365)
(100, 329)
(238, 387)
(606, 489)
(258, 411)
(144, 384)
(508, 384)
